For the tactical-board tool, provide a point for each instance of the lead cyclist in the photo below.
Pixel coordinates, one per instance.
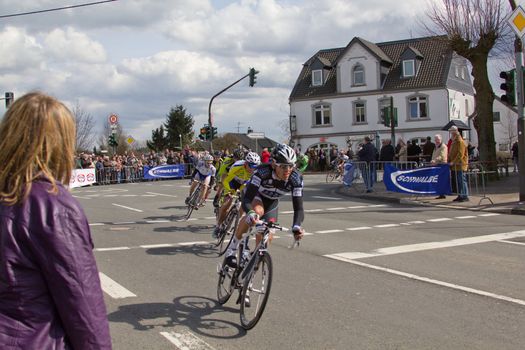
(262, 193)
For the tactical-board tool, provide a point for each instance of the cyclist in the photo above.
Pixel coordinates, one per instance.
(302, 162)
(341, 160)
(205, 173)
(261, 196)
(239, 174)
(223, 171)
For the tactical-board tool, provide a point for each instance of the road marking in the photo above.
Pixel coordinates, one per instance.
(321, 197)
(335, 208)
(415, 222)
(193, 243)
(113, 289)
(81, 197)
(186, 341)
(97, 224)
(111, 249)
(287, 212)
(124, 223)
(512, 242)
(358, 207)
(164, 245)
(123, 206)
(489, 214)
(129, 195)
(329, 231)
(465, 217)
(439, 220)
(387, 225)
(210, 218)
(161, 194)
(161, 245)
(313, 210)
(359, 228)
(433, 281)
(157, 221)
(409, 248)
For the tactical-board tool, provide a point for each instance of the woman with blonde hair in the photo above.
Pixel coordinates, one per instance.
(49, 286)
(401, 155)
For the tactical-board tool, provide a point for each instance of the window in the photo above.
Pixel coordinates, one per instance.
(358, 75)
(463, 69)
(417, 107)
(322, 115)
(317, 77)
(359, 112)
(409, 69)
(496, 117)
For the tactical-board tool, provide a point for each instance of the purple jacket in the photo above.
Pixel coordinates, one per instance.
(49, 286)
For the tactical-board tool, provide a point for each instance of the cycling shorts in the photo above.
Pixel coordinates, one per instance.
(270, 206)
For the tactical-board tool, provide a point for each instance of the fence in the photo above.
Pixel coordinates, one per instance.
(127, 174)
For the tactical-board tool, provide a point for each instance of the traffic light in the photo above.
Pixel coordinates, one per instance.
(9, 98)
(509, 87)
(112, 141)
(253, 76)
(213, 132)
(387, 117)
(203, 133)
(208, 132)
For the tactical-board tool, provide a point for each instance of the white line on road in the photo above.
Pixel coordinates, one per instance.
(163, 245)
(97, 224)
(439, 220)
(387, 225)
(81, 197)
(335, 208)
(489, 214)
(113, 289)
(313, 210)
(161, 194)
(359, 228)
(111, 249)
(186, 341)
(358, 207)
(465, 217)
(321, 197)
(123, 206)
(415, 222)
(124, 223)
(433, 281)
(157, 221)
(329, 231)
(512, 242)
(409, 248)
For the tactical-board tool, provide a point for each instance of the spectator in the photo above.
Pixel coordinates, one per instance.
(387, 152)
(322, 159)
(367, 155)
(333, 154)
(515, 159)
(265, 156)
(401, 154)
(413, 151)
(428, 148)
(50, 289)
(439, 156)
(458, 158)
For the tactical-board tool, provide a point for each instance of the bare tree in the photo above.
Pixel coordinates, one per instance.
(473, 29)
(85, 124)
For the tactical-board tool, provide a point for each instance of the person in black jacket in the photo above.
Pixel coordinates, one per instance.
(387, 152)
(367, 155)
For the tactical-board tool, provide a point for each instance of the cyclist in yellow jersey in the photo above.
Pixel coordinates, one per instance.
(222, 171)
(239, 173)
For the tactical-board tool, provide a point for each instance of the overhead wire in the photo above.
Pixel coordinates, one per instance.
(56, 9)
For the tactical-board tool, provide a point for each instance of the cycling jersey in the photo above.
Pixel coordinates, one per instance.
(225, 166)
(204, 170)
(236, 177)
(265, 185)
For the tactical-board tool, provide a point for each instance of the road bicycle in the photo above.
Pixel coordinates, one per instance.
(228, 226)
(333, 174)
(194, 199)
(252, 276)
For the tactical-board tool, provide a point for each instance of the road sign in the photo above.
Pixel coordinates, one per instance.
(256, 135)
(113, 119)
(516, 21)
(130, 140)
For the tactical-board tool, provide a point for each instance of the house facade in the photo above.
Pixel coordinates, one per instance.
(340, 94)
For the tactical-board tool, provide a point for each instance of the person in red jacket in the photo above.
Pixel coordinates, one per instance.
(50, 293)
(265, 156)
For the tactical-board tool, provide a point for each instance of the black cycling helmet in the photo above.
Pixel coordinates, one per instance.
(284, 154)
(238, 154)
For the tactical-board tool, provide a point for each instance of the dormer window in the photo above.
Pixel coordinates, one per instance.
(317, 77)
(409, 68)
(358, 75)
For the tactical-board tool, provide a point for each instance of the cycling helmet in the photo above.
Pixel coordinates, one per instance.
(345, 157)
(253, 158)
(238, 154)
(208, 158)
(217, 154)
(284, 154)
(302, 162)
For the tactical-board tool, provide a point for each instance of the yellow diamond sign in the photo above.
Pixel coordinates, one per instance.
(517, 21)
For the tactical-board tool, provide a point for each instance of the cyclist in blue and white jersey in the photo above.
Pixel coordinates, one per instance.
(204, 172)
(261, 196)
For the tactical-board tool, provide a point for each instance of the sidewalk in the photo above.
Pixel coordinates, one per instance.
(501, 196)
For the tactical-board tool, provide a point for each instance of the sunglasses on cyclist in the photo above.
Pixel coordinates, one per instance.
(252, 165)
(284, 166)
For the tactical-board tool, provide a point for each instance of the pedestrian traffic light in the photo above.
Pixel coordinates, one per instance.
(9, 98)
(253, 76)
(509, 87)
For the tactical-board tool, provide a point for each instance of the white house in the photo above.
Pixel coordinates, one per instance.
(340, 93)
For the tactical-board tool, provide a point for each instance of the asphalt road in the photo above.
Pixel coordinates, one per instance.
(368, 275)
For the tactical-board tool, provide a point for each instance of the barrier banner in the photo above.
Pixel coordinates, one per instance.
(164, 171)
(82, 177)
(348, 174)
(425, 181)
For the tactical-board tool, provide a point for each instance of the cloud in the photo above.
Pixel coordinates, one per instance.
(18, 50)
(72, 45)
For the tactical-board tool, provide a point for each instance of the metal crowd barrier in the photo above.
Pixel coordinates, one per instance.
(127, 174)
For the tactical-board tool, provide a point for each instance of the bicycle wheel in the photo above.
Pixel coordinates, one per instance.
(331, 175)
(226, 283)
(256, 288)
(230, 224)
(193, 202)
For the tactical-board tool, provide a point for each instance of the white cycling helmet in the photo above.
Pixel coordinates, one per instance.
(284, 154)
(253, 158)
(345, 157)
(208, 158)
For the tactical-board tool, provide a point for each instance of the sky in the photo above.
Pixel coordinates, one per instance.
(139, 58)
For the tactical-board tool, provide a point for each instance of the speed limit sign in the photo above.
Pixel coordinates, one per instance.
(113, 119)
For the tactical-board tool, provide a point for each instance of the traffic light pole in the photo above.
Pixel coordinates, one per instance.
(518, 46)
(210, 123)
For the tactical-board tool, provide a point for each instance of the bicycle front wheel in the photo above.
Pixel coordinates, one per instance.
(331, 175)
(226, 283)
(193, 201)
(229, 230)
(255, 292)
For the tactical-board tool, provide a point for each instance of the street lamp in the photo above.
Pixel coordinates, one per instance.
(180, 139)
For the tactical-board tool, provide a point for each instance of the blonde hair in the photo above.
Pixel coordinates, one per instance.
(37, 138)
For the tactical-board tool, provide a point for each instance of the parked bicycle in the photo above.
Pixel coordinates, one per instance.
(228, 226)
(252, 277)
(194, 201)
